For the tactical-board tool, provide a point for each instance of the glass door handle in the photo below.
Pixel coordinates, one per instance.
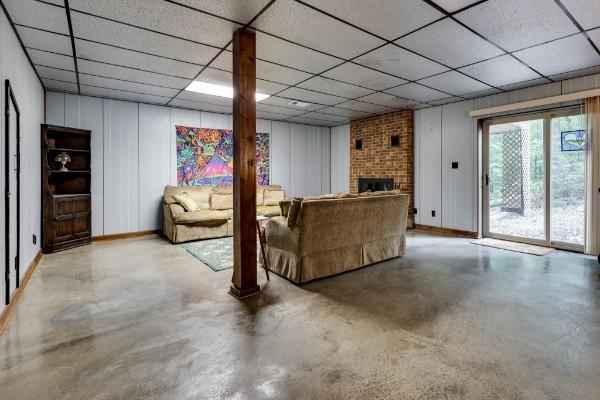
(487, 180)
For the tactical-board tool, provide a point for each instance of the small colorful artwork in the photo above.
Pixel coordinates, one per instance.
(572, 140)
(205, 157)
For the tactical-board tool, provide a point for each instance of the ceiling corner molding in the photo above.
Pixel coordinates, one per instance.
(535, 103)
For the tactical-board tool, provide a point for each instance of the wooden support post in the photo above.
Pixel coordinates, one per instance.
(244, 167)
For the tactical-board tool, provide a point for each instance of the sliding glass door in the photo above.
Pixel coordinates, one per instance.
(534, 169)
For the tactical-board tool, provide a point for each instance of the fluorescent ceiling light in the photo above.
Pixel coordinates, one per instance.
(217, 90)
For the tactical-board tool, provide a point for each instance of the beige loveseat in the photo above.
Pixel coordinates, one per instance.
(215, 217)
(333, 235)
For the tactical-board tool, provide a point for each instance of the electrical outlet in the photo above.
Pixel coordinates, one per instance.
(415, 211)
(34, 239)
(433, 213)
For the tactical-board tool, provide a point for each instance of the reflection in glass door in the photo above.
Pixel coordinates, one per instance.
(567, 179)
(516, 179)
(534, 169)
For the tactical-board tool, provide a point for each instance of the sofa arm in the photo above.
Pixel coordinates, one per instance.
(172, 209)
(282, 236)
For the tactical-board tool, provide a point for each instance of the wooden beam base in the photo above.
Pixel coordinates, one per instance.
(244, 293)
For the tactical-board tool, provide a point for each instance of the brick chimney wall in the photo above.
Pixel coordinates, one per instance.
(378, 159)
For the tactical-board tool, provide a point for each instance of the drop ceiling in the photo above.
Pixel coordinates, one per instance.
(348, 59)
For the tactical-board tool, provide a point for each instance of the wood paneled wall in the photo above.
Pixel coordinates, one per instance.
(134, 157)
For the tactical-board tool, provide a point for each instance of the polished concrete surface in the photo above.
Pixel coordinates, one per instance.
(143, 319)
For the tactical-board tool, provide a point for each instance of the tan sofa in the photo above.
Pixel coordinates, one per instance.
(215, 217)
(333, 235)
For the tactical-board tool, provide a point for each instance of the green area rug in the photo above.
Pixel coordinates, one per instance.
(216, 253)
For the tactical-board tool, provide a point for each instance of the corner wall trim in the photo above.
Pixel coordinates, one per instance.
(14, 300)
(125, 235)
(446, 231)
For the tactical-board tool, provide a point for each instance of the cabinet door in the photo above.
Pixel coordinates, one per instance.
(429, 155)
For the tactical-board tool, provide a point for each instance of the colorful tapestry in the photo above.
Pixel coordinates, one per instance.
(205, 156)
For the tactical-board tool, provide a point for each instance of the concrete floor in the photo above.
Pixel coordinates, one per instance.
(143, 319)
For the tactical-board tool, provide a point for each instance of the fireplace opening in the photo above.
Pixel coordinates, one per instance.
(375, 184)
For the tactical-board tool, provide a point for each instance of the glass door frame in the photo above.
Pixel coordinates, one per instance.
(546, 116)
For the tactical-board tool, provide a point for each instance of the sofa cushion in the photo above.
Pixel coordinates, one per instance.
(219, 201)
(170, 191)
(202, 218)
(268, 211)
(200, 194)
(346, 195)
(273, 197)
(293, 212)
(186, 202)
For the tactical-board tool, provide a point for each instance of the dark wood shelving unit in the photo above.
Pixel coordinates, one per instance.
(66, 196)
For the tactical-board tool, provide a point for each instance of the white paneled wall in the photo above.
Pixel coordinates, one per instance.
(134, 155)
(340, 159)
(29, 94)
(443, 135)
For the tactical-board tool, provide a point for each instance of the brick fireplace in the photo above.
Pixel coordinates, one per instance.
(382, 147)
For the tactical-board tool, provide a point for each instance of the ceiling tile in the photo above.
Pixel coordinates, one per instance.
(454, 5)
(516, 24)
(564, 55)
(325, 85)
(281, 102)
(311, 121)
(270, 115)
(57, 74)
(162, 16)
(500, 71)
(416, 92)
(364, 107)
(446, 101)
(236, 10)
(270, 48)
(112, 71)
(38, 15)
(595, 36)
(122, 95)
(267, 87)
(450, 43)
(345, 112)
(385, 99)
(520, 85)
(60, 85)
(264, 69)
(586, 12)
(216, 77)
(294, 21)
(454, 83)
(481, 93)
(261, 106)
(197, 105)
(399, 62)
(388, 19)
(277, 73)
(366, 77)
(112, 33)
(131, 59)
(125, 85)
(325, 117)
(45, 41)
(51, 60)
(578, 73)
(310, 96)
(205, 98)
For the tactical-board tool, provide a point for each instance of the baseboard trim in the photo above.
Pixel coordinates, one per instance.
(125, 235)
(14, 299)
(446, 231)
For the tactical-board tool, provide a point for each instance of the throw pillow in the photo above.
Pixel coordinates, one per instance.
(273, 197)
(294, 211)
(219, 201)
(186, 202)
(346, 195)
(284, 206)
